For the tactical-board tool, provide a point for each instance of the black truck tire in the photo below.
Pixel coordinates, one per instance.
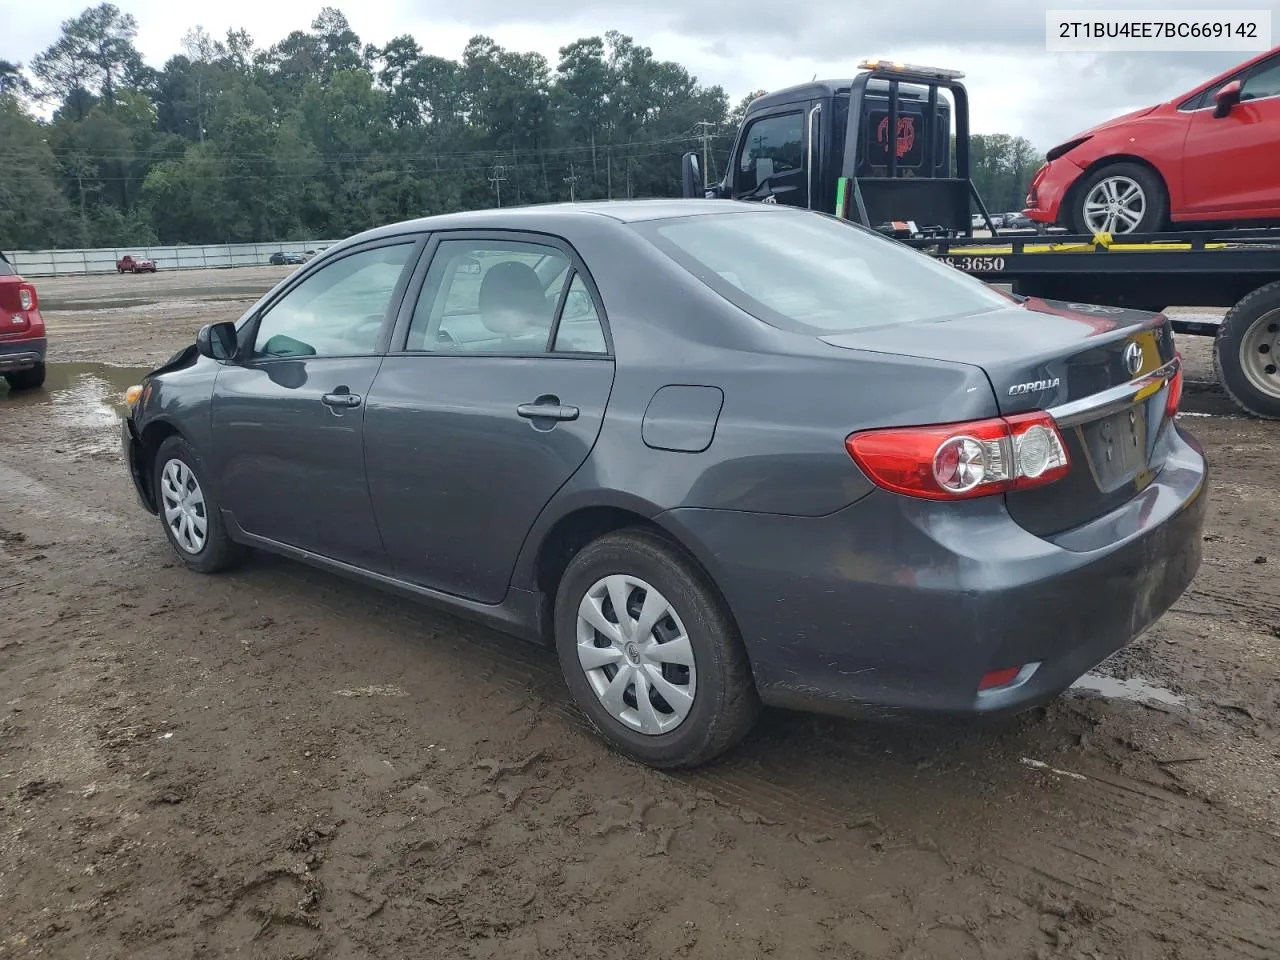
(1155, 211)
(1246, 353)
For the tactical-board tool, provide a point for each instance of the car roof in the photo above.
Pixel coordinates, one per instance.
(553, 216)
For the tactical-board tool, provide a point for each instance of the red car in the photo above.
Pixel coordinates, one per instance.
(22, 339)
(1211, 155)
(131, 264)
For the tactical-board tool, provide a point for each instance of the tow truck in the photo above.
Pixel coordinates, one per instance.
(878, 150)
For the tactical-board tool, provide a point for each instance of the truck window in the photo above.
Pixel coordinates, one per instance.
(815, 274)
(771, 162)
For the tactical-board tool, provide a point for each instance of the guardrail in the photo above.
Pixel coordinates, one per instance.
(60, 263)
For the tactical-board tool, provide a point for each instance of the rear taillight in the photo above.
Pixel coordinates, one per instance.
(957, 461)
(27, 296)
(1175, 392)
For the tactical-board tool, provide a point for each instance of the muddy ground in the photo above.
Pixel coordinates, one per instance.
(277, 763)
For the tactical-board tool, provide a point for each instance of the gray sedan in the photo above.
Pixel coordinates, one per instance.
(719, 455)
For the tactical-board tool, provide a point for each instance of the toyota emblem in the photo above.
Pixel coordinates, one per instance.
(1133, 358)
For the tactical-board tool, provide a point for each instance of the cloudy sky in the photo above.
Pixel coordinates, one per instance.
(1015, 85)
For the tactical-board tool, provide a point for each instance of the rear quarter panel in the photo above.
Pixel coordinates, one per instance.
(789, 402)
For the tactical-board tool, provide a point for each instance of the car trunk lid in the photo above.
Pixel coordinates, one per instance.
(1102, 371)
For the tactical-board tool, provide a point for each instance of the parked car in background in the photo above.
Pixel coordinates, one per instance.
(22, 333)
(1017, 221)
(131, 264)
(949, 501)
(1211, 155)
(280, 258)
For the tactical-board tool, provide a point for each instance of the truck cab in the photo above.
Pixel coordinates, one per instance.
(797, 147)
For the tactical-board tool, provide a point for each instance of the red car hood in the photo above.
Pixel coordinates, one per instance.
(1116, 121)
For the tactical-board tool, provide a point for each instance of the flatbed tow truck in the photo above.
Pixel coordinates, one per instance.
(826, 146)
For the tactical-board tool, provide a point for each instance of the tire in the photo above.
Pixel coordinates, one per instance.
(1246, 353)
(217, 551)
(31, 378)
(724, 703)
(1155, 198)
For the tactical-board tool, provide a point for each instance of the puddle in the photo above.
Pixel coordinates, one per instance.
(1135, 688)
(85, 400)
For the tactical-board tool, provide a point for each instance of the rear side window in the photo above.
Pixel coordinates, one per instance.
(1264, 81)
(814, 274)
(6, 268)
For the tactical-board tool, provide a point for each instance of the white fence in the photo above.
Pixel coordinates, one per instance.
(59, 263)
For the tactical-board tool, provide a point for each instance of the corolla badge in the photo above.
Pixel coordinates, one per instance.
(1133, 358)
(1034, 386)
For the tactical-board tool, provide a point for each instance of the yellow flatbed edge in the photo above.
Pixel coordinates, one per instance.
(1007, 250)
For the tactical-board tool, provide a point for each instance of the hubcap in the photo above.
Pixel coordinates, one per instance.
(636, 654)
(184, 510)
(1260, 354)
(1114, 205)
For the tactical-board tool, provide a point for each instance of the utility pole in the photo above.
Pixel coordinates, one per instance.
(706, 126)
(498, 178)
(572, 180)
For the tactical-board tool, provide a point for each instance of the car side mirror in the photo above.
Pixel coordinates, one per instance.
(217, 341)
(691, 177)
(469, 265)
(1226, 98)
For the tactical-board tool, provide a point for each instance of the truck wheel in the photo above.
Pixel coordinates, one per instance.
(1120, 198)
(1246, 352)
(31, 378)
(665, 679)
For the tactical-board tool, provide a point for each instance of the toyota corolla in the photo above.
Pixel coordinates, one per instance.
(719, 455)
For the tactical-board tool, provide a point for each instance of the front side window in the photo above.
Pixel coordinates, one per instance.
(489, 296)
(337, 311)
(815, 274)
(772, 153)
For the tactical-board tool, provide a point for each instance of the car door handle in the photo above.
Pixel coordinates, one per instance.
(547, 408)
(341, 399)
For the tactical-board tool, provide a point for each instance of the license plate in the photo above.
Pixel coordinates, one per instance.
(1117, 446)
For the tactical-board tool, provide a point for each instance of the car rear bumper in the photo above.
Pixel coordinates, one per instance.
(22, 354)
(894, 607)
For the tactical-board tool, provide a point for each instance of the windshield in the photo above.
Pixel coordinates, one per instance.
(815, 274)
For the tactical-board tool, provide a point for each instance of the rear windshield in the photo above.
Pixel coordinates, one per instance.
(815, 274)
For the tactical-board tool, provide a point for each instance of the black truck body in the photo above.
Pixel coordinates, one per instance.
(797, 146)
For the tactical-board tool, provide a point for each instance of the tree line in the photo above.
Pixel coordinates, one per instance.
(321, 135)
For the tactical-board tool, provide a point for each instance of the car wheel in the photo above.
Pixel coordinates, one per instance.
(650, 653)
(1120, 198)
(31, 378)
(1246, 352)
(188, 511)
